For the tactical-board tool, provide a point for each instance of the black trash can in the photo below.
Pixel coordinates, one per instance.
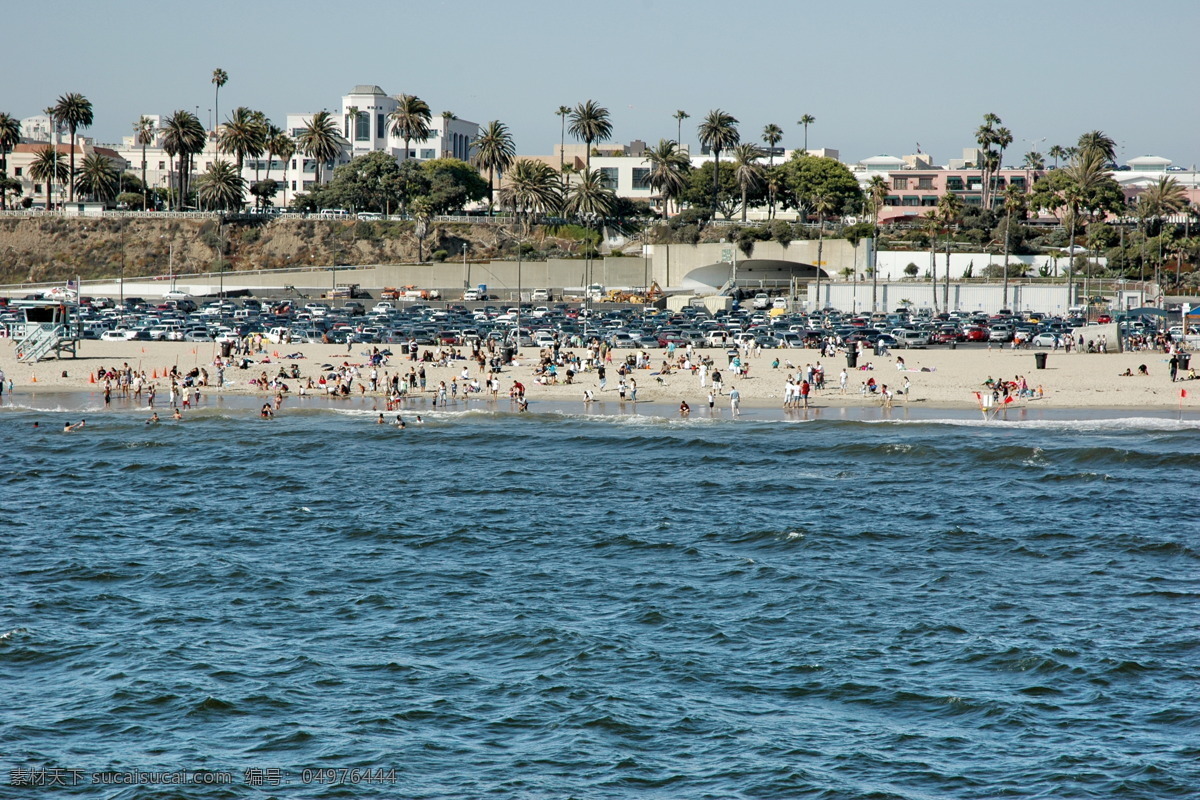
(1185, 360)
(852, 358)
(226, 349)
(953, 344)
(1040, 360)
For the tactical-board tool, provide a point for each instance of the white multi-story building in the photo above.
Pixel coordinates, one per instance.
(369, 131)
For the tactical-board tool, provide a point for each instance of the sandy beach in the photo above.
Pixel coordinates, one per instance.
(939, 378)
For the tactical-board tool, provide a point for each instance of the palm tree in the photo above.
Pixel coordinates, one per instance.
(1098, 142)
(772, 134)
(48, 166)
(183, 136)
(680, 115)
(590, 123)
(533, 188)
(10, 135)
(75, 111)
(1003, 138)
(447, 118)
(822, 204)
(718, 132)
(280, 146)
(411, 119)
(932, 225)
(668, 171)
(1056, 152)
(1014, 203)
(1084, 176)
(562, 136)
(747, 171)
(1163, 199)
(877, 191)
(949, 210)
(1034, 161)
(494, 151)
(985, 137)
(806, 120)
(97, 177)
(244, 134)
(143, 134)
(221, 187)
(590, 196)
(319, 140)
(219, 78)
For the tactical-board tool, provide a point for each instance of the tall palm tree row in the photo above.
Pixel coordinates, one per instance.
(48, 166)
(494, 151)
(590, 123)
(319, 140)
(10, 135)
(669, 167)
(718, 132)
(411, 119)
(1056, 152)
(219, 78)
(748, 172)
(183, 137)
(75, 111)
(98, 177)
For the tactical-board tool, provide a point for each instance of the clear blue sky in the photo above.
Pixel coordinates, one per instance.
(878, 76)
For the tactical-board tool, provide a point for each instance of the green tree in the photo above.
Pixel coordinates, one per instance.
(822, 205)
(494, 151)
(699, 192)
(1034, 161)
(452, 184)
(805, 177)
(411, 119)
(1098, 142)
(747, 171)
(877, 190)
(280, 146)
(219, 78)
(1056, 152)
(98, 177)
(772, 135)
(183, 137)
(590, 123)
(143, 134)
(422, 211)
(533, 188)
(590, 196)
(263, 192)
(680, 115)
(319, 140)
(718, 132)
(806, 120)
(48, 166)
(10, 135)
(562, 113)
(244, 134)
(949, 211)
(75, 111)
(220, 187)
(669, 167)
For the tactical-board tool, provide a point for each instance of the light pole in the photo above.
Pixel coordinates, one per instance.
(466, 274)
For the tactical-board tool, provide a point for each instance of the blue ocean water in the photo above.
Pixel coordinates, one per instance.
(553, 605)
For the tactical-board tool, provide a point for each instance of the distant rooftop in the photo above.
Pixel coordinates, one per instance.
(366, 88)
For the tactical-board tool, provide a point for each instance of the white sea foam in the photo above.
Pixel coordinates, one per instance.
(1118, 424)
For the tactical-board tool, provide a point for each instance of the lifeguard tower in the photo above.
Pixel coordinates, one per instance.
(49, 325)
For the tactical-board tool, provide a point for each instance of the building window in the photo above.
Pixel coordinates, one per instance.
(293, 163)
(297, 133)
(162, 165)
(308, 185)
(925, 183)
(954, 184)
(293, 186)
(427, 152)
(17, 170)
(910, 201)
(381, 131)
(362, 127)
(608, 177)
(900, 183)
(37, 188)
(641, 178)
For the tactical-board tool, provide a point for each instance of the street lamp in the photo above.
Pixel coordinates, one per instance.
(466, 274)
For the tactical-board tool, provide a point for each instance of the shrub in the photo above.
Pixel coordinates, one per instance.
(440, 255)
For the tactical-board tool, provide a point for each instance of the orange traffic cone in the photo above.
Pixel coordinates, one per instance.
(154, 375)
(91, 378)
(33, 379)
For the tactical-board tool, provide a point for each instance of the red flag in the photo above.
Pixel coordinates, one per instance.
(1008, 399)
(1182, 393)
